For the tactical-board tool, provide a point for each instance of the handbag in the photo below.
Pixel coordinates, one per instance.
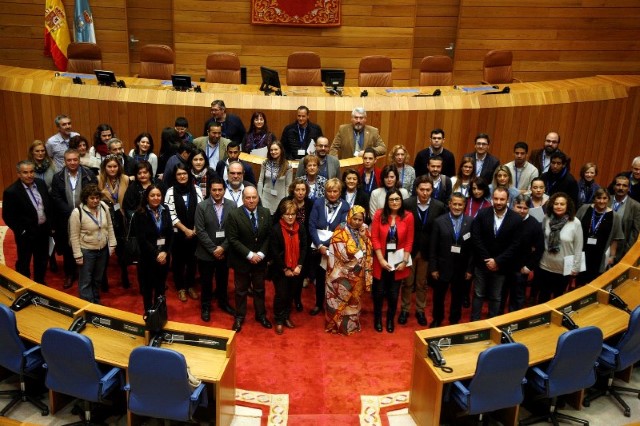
(156, 317)
(131, 248)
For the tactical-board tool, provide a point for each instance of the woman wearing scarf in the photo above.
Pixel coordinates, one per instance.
(44, 167)
(288, 251)
(154, 234)
(182, 199)
(562, 238)
(349, 273)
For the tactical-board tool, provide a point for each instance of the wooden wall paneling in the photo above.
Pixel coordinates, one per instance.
(150, 22)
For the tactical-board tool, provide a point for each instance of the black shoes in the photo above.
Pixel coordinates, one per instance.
(422, 320)
(237, 325)
(315, 311)
(289, 324)
(435, 324)
(466, 303)
(264, 322)
(390, 325)
(68, 282)
(404, 316)
(299, 306)
(205, 313)
(226, 308)
(377, 324)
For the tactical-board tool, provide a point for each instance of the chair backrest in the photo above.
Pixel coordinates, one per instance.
(84, 58)
(573, 366)
(629, 343)
(436, 71)
(375, 71)
(497, 67)
(497, 383)
(159, 384)
(157, 61)
(223, 67)
(71, 364)
(303, 69)
(11, 346)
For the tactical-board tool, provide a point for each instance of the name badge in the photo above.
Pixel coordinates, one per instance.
(592, 241)
(391, 246)
(302, 152)
(274, 192)
(466, 236)
(160, 242)
(355, 153)
(455, 249)
(116, 207)
(358, 254)
(219, 234)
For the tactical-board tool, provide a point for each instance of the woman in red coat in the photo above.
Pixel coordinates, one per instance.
(391, 231)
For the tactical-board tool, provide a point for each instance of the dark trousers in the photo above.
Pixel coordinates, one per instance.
(152, 278)
(208, 270)
(36, 245)
(457, 294)
(321, 279)
(518, 291)
(183, 264)
(124, 273)
(385, 288)
(551, 284)
(285, 287)
(243, 279)
(488, 286)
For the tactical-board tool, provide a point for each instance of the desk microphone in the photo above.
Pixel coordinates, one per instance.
(505, 89)
(436, 92)
(96, 323)
(40, 301)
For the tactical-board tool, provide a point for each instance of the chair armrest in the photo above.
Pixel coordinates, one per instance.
(110, 375)
(544, 376)
(127, 387)
(197, 391)
(30, 351)
(461, 388)
(607, 348)
(485, 82)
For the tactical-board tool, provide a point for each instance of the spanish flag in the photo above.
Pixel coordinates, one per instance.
(56, 33)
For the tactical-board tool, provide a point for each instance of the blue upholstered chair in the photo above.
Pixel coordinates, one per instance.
(498, 382)
(618, 358)
(573, 368)
(15, 357)
(72, 369)
(159, 385)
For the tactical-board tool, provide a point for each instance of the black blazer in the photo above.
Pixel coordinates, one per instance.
(206, 224)
(276, 248)
(566, 184)
(532, 240)
(503, 248)
(291, 138)
(148, 235)
(18, 211)
(362, 200)
(242, 240)
(248, 171)
(441, 258)
(421, 162)
(422, 232)
(61, 208)
(489, 166)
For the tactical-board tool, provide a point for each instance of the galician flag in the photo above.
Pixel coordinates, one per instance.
(83, 23)
(56, 33)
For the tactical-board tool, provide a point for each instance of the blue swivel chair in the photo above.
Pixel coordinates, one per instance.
(618, 358)
(15, 356)
(72, 369)
(573, 368)
(159, 385)
(498, 382)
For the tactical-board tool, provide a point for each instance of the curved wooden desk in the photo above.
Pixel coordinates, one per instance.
(585, 111)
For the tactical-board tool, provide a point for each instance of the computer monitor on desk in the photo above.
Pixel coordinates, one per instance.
(270, 81)
(181, 82)
(105, 78)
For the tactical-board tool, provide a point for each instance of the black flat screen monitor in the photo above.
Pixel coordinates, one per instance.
(332, 77)
(181, 82)
(105, 78)
(270, 80)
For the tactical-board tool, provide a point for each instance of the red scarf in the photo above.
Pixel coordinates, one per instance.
(291, 243)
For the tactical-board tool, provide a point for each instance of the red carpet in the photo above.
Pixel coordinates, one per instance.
(323, 374)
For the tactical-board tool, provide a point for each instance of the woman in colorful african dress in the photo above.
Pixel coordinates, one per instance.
(349, 273)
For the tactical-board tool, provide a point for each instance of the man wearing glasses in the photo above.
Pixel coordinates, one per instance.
(486, 163)
(232, 127)
(235, 183)
(437, 148)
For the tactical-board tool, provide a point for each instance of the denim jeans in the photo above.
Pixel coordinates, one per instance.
(94, 262)
(488, 286)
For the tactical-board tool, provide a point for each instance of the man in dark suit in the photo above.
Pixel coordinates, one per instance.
(232, 127)
(248, 229)
(115, 148)
(634, 180)
(329, 166)
(629, 210)
(297, 135)
(213, 247)
(442, 186)
(352, 139)
(450, 259)
(425, 211)
(233, 154)
(486, 163)
(541, 158)
(495, 233)
(27, 212)
(66, 187)
(436, 148)
(559, 179)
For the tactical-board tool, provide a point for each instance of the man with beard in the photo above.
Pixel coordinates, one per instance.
(352, 139)
(629, 211)
(233, 154)
(297, 135)
(558, 178)
(232, 127)
(235, 183)
(329, 166)
(59, 143)
(541, 158)
(213, 145)
(634, 180)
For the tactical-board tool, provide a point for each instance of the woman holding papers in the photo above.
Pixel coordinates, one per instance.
(392, 237)
(601, 231)
(258, 137)
(348, 273)
(562, 247)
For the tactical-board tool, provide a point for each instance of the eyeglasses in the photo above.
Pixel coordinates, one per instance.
(394, 200)
(289, 214)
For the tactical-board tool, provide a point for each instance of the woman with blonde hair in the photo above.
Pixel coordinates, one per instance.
(502, 178)
(276, 174)
(399, 157)
(45, 168)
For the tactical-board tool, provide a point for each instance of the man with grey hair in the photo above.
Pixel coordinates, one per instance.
(634, 180)
(352, 139)
(115, 148)
(59, 143)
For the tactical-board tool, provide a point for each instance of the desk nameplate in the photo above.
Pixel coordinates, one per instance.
(526, 323)
(210, 342)
(460, 339)
(115, 324)
(579, 304)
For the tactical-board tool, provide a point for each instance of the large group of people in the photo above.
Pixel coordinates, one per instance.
(481, 230)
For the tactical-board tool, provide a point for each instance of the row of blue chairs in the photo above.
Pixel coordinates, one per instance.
(503, 370)
(158, 379)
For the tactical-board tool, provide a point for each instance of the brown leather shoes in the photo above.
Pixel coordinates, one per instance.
(193, 293)
(279, 329)
(289, 323)
(182, 295)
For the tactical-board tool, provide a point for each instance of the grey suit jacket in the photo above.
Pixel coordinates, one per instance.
(207, 224)
(630, 226)
(342, 146)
